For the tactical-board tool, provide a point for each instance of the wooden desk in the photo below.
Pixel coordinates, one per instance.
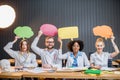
(109, 76)
(57, 75)
(12, 75)
(75, 75)
(72, 75)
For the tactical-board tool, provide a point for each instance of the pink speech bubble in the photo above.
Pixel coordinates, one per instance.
(49, 30)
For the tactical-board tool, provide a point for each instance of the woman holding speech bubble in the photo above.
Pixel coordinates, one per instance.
(75, 57)
(23, 58)
(100, 59)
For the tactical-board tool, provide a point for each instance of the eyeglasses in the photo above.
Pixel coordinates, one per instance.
(49, 41)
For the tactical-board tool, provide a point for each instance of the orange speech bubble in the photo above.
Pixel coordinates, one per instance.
(103, 31)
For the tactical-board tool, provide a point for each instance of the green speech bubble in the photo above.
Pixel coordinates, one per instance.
(23, 32)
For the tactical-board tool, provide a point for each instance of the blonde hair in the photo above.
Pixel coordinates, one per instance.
(100, 40)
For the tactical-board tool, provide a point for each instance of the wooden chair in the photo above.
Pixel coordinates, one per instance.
(115, 64)
(12, 62)
(39, 62)
(118, 60)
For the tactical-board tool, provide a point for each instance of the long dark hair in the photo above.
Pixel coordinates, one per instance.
(21, 43)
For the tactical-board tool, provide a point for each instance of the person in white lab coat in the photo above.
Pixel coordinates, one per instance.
(49, 55)
(99, 59)
(75, 56)
(23, 57)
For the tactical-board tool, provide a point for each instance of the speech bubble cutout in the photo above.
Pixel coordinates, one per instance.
(68, 32)
(23, 32)
(49, 30)
(103, 31)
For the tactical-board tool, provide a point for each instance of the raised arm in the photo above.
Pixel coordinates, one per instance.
(116, 52)
(60, 41)
(34, 46)
(62, 56)
(39, 34)
(16, 38)
(8, 47)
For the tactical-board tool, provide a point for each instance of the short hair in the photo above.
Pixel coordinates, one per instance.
(21, 42)
(48, 37)
(71, 43)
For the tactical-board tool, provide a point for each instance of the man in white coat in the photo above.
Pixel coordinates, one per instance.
(49, 55)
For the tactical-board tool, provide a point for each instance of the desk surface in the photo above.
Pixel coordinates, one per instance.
(13, 75)
(75, 75)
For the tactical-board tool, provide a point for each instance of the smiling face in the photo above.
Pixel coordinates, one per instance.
(75, 47)
(49, 42)
(99, 45)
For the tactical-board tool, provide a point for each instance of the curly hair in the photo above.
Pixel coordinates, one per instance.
(71, 43)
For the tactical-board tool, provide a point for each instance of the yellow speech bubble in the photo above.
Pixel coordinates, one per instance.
(68, 32)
